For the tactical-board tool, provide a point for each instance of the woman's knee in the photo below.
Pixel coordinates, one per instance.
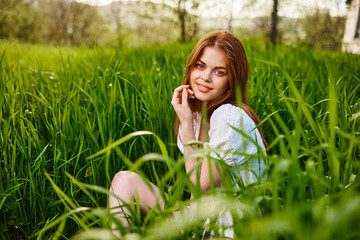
(125, 178)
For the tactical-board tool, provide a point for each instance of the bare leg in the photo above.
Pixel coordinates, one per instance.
(127, 186)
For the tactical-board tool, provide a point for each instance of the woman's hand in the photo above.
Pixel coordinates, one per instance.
(181, 105)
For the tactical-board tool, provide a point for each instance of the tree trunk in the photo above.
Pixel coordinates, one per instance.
(182, 25)
(230, 20)
(274, 22)
(182, 18)
(116, 12)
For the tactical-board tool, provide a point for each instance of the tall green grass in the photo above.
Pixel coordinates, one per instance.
(66, 115)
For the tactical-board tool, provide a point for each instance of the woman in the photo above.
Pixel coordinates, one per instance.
(216, 66)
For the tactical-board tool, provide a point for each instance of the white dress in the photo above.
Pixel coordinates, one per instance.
(233, 147)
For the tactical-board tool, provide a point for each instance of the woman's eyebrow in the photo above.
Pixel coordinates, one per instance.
(220, 67)
(201, 62)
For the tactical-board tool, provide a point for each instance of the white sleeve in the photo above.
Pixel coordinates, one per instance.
(196, 125)
(230, 145)
(179, 141)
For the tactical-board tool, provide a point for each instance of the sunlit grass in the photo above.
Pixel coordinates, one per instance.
(72, 118)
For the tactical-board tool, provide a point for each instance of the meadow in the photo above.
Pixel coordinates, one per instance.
(70, 118)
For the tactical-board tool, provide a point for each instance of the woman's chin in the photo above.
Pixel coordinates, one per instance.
(201, 97)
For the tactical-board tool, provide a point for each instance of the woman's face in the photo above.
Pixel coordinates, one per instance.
(209, 77)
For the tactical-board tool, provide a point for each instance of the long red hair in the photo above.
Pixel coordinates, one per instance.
(237, 69)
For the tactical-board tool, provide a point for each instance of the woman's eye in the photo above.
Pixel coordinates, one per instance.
(219, 73)
(200, 66)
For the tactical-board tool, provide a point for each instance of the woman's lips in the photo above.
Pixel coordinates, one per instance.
(203, 88)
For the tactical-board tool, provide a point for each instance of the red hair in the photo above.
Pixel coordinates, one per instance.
(237, 69)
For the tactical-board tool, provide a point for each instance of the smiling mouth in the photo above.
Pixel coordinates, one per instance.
(203, 88)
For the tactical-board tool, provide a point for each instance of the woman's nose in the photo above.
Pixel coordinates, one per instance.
(206, 76)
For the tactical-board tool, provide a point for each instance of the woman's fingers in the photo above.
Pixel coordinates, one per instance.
(184, 96)
(180, 104)
(178, 94)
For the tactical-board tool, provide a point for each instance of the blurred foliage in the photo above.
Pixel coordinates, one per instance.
(20, 20)
(181, 13)
(138, 23)
(54, 21)
(326, 34)
(73, 23)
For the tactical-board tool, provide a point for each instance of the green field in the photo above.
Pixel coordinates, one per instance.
(60, 106)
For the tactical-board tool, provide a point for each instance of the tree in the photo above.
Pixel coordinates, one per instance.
(73, 23)
(322, 31)
(116, 14)
(274, 22)
(231, 16)
(181, 14)
(20, 20)
(186, 14)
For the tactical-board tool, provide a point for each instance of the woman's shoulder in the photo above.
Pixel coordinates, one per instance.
(227, 108)
(231, 114)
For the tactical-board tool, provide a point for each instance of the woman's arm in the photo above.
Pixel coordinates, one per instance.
(206, 175)
(184, 113)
